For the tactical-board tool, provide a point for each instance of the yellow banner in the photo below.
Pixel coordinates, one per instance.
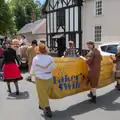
(70, 76)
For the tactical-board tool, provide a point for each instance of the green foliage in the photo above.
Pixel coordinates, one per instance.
(14, 14)
(24, 11)
(6, 22)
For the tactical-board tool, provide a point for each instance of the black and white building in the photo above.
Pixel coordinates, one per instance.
(82, 21)
(63, 24)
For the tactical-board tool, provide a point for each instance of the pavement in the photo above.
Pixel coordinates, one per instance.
(75, 107)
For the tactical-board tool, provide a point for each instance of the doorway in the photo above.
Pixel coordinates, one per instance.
(61, 42)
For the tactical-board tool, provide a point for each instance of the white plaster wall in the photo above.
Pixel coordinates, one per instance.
(110, 21)
(55, 21)
(48, 24)
(67, 19)
(71, 19)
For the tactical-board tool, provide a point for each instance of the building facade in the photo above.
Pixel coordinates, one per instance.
(34, 31)
(82, 21)
(63, 24)
(100, 21)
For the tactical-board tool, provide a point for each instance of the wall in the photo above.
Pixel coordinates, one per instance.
(110, 21)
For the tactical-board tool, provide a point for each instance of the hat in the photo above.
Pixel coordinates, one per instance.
(90, 42)
(41, 48)
(15, 42)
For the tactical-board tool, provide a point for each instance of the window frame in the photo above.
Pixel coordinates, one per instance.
(60, 18)
(95, 8)
(99, 34)
(111, 46)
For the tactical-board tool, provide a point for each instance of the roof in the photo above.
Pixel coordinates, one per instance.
(57, 36)
(37, 27)
(46, 3)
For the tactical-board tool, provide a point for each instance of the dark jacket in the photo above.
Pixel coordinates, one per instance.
(10, 56)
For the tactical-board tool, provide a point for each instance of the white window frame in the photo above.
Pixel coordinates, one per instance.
(98, 34)
(95, 8)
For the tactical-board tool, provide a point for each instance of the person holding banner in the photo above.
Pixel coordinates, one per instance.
(94, 65)
(71, 51)
(42, 66)
(117, 67)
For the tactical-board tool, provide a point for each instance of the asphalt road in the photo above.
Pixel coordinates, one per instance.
(76, 107)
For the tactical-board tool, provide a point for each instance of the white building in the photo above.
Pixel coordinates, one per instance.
(34, 31)
(100, 21)
(82, 21)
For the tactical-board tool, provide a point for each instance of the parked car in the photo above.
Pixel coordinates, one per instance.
(108, 49)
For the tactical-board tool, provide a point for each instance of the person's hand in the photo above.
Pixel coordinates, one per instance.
(83, 58)
(111, 57)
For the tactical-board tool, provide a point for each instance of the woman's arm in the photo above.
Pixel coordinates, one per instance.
(114, 59)
(90, 58)
(44, 67)
(15, 56)
(66, 52)
(32, 71)
(51, 65)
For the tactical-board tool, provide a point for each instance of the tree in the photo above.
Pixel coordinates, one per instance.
(6, 23)
(25, 11)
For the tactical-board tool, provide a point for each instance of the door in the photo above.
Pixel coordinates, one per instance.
(61, 46)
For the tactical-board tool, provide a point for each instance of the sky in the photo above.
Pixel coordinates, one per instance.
(42, 1)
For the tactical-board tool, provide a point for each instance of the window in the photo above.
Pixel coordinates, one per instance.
(112, 49)
(98, 32)
(98, 7)
(104, 48)
(61, 18)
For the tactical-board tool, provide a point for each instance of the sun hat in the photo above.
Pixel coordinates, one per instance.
(41, 48)
(15, 43)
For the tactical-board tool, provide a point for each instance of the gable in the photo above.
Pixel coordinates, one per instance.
(51, 5)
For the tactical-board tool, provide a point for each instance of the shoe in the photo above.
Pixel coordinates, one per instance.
(9, 91)
(17, 93)
(47, 112)
(90, 94)
(28, 79)
(40, 107)
(93, 100)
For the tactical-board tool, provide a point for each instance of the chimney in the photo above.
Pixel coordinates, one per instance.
(33, 16)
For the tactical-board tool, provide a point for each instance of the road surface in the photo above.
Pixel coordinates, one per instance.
(76, 107)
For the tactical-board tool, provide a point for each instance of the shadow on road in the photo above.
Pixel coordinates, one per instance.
(105, 102)
(22, 95)
(31, 81)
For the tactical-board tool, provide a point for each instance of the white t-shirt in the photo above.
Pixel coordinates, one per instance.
(42, 60)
